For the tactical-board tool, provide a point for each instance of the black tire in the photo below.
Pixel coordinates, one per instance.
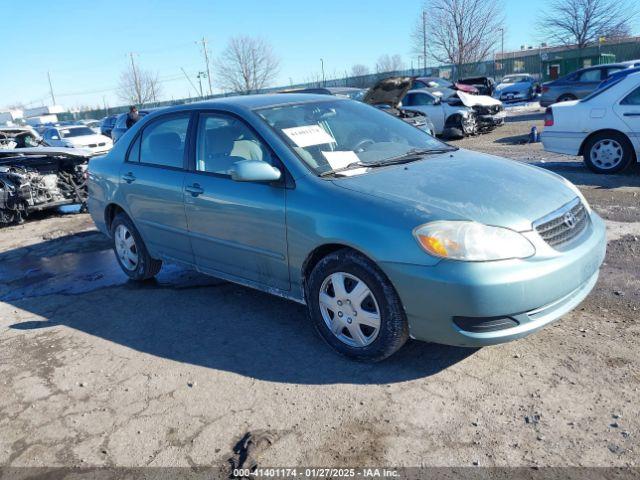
(567, 97)
(620, 139)
(146, 267)
(393, 331)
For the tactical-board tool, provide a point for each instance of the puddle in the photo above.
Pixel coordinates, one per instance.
(76, 273)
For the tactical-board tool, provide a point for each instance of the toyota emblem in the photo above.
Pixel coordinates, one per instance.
(569, 219)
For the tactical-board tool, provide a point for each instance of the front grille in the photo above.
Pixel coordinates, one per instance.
(92, 145)
(560, 227)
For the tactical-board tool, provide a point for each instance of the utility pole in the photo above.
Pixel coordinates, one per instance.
(324, 83)
(424, 41)
(206, 62)
(199, 77)
(53, 98)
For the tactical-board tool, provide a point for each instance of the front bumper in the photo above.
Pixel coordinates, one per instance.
(491, 121)
(533, 292)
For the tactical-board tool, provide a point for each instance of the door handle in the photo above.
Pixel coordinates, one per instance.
(631, 114)
(129, 177)
(195, 190)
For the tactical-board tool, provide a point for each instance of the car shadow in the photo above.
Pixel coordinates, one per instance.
(188, 317)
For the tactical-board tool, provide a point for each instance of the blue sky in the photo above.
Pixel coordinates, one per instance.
(84, 44)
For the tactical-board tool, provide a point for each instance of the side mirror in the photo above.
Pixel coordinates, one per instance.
(254, 171)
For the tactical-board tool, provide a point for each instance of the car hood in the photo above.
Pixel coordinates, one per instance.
(467, 185)
(478, 100)
(389, 91)
(88, 140)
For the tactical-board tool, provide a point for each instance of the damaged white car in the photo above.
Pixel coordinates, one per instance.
(33, 179)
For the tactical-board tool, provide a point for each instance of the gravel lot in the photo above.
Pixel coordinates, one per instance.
(97, 371)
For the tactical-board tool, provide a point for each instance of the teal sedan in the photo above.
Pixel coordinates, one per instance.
(383, 231)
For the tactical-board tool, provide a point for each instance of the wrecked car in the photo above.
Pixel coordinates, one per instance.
(34, 179)
(489, 112)
(484, 85)
(437, 84)
(387, 95)
(19, 137)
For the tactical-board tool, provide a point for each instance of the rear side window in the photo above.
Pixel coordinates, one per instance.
(163, 141)
(633, 98)
(590, 76)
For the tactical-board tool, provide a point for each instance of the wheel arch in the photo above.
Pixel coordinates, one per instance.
(607, 130)
(321, 251)
(110, 212)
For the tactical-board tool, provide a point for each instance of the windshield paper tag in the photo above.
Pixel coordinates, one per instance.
(340, 159)
(308, 135)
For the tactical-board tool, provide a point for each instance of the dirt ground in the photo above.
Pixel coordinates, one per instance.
(98, 371)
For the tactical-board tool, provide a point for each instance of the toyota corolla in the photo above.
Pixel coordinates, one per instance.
(383, 231)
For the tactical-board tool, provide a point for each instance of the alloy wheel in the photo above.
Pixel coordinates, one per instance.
(606, 154)
(349, 309)
(126, 248)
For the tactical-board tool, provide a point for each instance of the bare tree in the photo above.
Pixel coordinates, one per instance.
(247, 65)
(359, 70)
(580, 22)
(389, 63)
(458, 32)
(138, 86)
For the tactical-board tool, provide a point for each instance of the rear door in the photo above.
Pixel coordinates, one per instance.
(237, 229)
(628, 109)
(152, 179)
(426, 103)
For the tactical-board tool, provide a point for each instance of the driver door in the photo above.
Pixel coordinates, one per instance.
(237, 229)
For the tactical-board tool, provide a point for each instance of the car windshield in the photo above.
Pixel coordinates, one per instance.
(515, 79)
(348, 137)
(75, 132)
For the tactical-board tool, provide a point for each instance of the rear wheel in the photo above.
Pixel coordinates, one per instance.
(354, 307)
(608, 152)
(130, 250)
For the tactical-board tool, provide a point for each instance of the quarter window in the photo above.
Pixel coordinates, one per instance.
(223, 140)
(163, 142)
(633, 98)
(590, 76)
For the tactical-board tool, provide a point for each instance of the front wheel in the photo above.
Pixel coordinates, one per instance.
(354, 307)
(130, 250)
(608, 152)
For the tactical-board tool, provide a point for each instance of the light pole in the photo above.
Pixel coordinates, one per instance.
(324, 83)
(424, 41)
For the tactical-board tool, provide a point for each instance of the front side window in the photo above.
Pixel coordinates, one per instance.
(163, 141)
(223, 140)
(633, 98)
(336, 134)
(418, 99)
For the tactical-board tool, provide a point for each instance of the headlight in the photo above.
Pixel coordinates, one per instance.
(472, 241)
(577, 191)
